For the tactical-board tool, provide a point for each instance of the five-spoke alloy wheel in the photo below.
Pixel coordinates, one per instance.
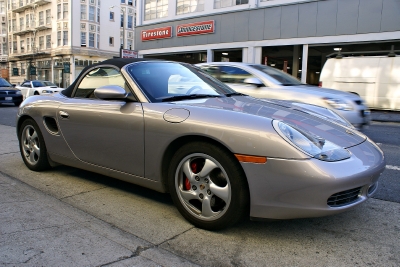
(208, 186)
(32, 147)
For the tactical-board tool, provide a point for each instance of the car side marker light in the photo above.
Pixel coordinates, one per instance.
(251, 159)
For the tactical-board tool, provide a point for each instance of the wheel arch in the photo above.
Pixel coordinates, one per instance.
(183, 140)
(21, 121)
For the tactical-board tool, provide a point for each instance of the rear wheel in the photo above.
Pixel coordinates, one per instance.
(208, 186)
(32, 147)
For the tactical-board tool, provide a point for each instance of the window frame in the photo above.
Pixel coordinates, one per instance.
(74, 92)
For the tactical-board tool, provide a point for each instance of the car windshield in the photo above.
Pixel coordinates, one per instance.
(162, 81)
(37, 84)
(280, 76)
(4, 83)
(46, 83)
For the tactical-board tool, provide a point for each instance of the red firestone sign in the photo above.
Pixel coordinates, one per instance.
(158, 33)
(202, 27)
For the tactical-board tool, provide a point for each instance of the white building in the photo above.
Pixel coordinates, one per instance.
(3, 40)
(55, 39)
(293, 35)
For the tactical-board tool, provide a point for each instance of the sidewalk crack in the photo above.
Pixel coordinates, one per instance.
(84, 192)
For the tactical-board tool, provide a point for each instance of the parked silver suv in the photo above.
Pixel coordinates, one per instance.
(266, 82)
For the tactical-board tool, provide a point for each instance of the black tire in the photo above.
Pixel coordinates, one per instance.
(36, 93)
(217, 195)
(32, 147)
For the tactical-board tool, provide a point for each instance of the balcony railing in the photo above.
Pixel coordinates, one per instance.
(40, 26)
(24, 29)
(23, 5)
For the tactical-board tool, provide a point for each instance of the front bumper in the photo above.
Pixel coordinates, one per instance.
(10, 98)
(287, 189)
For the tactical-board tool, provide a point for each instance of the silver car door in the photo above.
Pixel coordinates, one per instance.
(107, 133)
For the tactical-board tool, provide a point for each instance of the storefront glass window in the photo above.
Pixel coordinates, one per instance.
(155, 9)
(228, 3)
(185, 6)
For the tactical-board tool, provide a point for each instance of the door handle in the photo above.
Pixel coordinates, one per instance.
(63, 114)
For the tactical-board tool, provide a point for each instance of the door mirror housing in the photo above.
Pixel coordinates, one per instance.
(113, 92)
(253, 80)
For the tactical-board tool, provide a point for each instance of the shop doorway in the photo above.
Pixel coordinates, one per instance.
(289, 58)
(228, 55)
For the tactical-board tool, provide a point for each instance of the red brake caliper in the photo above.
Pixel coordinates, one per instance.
(193, 167)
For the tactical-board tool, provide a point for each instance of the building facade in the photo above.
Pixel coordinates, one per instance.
(55, 39)
(293, 35)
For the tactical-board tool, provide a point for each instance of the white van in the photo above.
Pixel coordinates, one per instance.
(375, 78)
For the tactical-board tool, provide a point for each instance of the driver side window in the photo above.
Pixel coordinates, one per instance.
(99, 77)
(233, 75)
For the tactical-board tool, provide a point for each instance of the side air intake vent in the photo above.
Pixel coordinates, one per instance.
(51, 125)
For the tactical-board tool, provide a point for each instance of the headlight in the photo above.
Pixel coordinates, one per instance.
(311, 144)
(337, 103)
(18, 92)
(47, 92)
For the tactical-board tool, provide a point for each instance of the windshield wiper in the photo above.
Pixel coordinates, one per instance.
(183, 97)
(235, 93)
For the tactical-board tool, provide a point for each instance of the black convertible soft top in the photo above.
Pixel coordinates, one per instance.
(118, 62)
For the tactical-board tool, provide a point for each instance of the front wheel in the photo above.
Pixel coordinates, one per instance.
(208, 186)
(32, 147)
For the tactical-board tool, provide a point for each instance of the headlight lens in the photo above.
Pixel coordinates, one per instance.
(18, 92)
(47, 92)
(311, 144)
(338, 103)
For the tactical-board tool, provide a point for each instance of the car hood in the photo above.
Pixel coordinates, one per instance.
(285, 111)
(315, 90)
(8, 88)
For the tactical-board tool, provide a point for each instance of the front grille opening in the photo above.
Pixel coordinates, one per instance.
(51, 125)
(344, 198)
(372, 188)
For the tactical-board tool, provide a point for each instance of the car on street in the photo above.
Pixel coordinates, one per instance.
(267, 82)
(38, 87)
(222, 155)
(9, 94)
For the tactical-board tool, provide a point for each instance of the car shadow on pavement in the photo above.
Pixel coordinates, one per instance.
(115, 183)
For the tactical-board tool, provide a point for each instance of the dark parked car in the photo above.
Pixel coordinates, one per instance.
(8, 93)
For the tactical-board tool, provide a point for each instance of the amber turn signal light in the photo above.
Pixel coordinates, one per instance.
(252, 159)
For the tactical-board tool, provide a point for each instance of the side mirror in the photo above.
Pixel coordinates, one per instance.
(253, 80)
(111, 92)
(13, 85)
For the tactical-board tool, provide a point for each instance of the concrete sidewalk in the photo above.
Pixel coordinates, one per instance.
(39, 230)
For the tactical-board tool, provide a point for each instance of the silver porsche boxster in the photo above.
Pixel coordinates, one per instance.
(221, 155)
